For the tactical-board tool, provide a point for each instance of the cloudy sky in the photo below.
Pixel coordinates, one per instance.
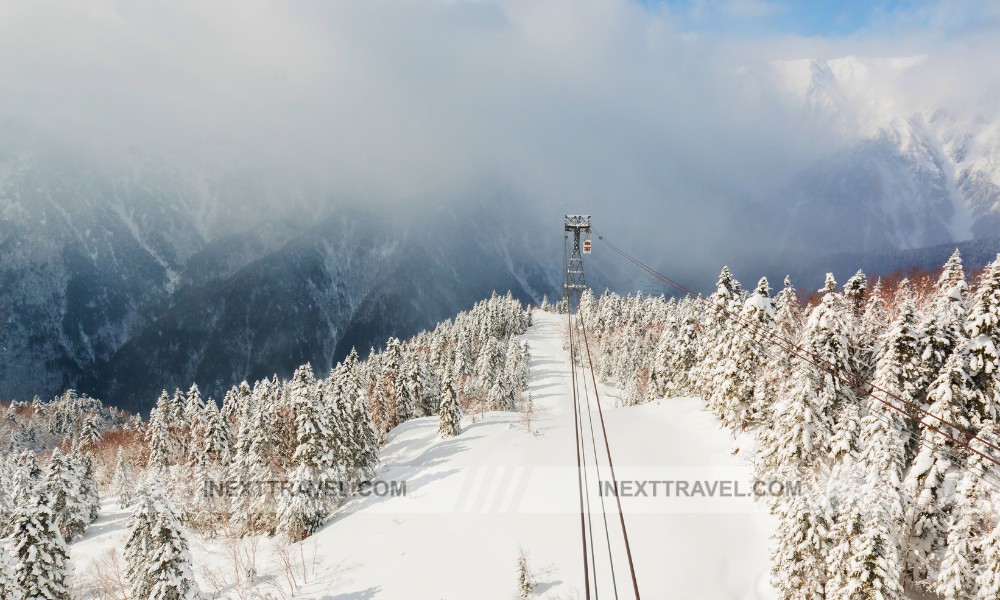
(599, 105)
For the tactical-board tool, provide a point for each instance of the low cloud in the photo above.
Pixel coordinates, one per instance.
(614, 108)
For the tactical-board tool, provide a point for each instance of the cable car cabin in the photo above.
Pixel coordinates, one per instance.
(586, 246)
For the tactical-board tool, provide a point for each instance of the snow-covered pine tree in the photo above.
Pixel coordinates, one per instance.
(7, 589)
(872, 323)
(194, 407)
(218, 442)
(416, 388)
(364, 443)
(684, 349)
(251, 472)
(449, 413)
(812, 426)
(157, 559)
(90, 435)
(305, 507)
(121, 482)
(943, 324)
(161, 451)
(988, 580)
(660, 375)
(717, 327)
(983, 357)
(856, 294)
(26, 478)
(62, 494)
(40, 555)
(89, 496)
(776, 371)
(798, 570)
(865, 563)
(742, 363)
(886, 433)
(398, 404)
(971, 521)
(927, 481)
(834, 340)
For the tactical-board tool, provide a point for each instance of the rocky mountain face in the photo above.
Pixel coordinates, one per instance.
(908, 174)
(121, 283)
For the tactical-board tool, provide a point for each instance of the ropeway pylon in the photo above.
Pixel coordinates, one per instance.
(575, 280)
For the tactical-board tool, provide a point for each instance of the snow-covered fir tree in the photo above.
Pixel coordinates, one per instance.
(121, 483)
(798, 568)
(63, 495)
(450, 420)
(887, 432)
(308, 502)
(40, 556)
(89, 497)
(742, 363)
(157, 558)
(933, 472)
(7, 589)
(942, 325)
(982, 355)
(772, 380)
(972, 518)
(988, 580)
(717, 327)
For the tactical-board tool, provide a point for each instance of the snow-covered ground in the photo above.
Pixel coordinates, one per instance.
(472, 501)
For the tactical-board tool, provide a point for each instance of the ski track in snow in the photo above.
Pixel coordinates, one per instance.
(473, 500)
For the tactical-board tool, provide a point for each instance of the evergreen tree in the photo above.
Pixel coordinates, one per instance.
(254, 504)
(776, 372)
(364, 441)
(121, 483)
(942, 327)
(971, 520)
(90, 497)
(40, 556)
(398, 404)
(742, 363)
(157, 559)
(303, 509)
(925, 484)
(983, 357)
(25, 479)
(160, 447)
(797, 562)
(988, 580)
(450, 415)
(863, 561)
(684, 350)
(856, 294)
(873, 322)
(7, 585)
(62, 493)
(91, 435)
(715, 341)
(886, 433)
(218, 443)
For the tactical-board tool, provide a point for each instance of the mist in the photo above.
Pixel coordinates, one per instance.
(631, 113)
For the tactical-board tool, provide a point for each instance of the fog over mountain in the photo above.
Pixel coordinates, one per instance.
(213, 191)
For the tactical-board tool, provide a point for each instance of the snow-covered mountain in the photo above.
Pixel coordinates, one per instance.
(909, 172)
(121, 280)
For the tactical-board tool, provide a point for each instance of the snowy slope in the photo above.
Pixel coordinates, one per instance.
(473, 500)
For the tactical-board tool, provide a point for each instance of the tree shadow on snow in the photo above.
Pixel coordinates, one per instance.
(367, 594)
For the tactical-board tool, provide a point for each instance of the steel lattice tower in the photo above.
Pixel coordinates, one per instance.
(575, 281)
